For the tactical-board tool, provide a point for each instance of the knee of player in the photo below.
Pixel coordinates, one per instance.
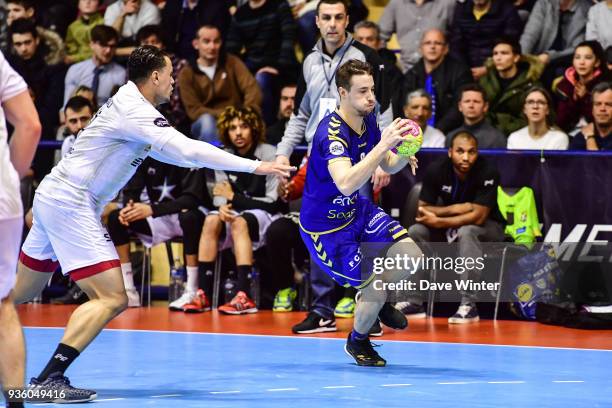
(115, 303)
(212, 225)
(239, 227)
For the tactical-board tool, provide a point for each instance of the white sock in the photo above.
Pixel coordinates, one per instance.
(128, 276)
(192, 279)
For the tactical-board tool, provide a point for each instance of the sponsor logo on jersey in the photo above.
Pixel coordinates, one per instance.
(161, 122)
(336, 148)
(446, 189)
(376, 218)
(344, 200)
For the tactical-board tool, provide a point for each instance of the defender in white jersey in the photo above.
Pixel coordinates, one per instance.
(14, 163)
(68, 203)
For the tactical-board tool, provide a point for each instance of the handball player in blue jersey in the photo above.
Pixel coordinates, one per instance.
(335, 220)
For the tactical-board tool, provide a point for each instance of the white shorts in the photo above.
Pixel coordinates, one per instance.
(10, 238)
(163, 229)
(70, 234)
(264, 219)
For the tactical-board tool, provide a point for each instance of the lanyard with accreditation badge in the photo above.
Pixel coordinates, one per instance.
(327, 105)
(330, 79)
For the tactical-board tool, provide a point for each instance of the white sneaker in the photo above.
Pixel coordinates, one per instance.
(133, 297)
(186, 298)
(467, 313)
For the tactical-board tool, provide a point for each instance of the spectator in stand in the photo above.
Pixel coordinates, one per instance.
(410, 20)
(573, 92)
(45, 82)
(181, 20)
(418, 108)
(473, 106)
(129, 16)
(368, 33)
(99, 72)
(598, 25)
(476, 24)
(78, 113)
(78, 36)
(213, 81)
(250, 204)
(553, 30)
(173, 110)
(3, 30)
(304, 12)
(540, 132)
(274, 133)
(509, 75)
(262, 33)
(54, 43)
(597, 135)
(441, 75)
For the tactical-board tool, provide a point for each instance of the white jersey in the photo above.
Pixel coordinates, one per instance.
(11, 84)
(108, 151)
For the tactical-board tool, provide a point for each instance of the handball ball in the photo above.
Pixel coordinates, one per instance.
(413, 142)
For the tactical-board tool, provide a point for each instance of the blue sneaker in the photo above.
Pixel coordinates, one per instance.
(467, 313)
(57, 389)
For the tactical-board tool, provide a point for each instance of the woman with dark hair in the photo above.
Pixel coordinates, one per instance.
(540, 132)
(574, 90)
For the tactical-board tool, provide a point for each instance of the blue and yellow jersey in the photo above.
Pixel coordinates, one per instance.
(324, 207)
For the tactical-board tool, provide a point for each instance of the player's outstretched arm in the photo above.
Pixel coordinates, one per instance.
(21, 113)
(185, 152)
(350, 178)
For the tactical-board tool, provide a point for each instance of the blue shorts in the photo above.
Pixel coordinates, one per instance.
(338, 252)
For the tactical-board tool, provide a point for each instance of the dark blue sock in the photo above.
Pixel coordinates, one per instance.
(356, 336)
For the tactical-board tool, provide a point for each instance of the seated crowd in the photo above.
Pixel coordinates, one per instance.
(474, 74)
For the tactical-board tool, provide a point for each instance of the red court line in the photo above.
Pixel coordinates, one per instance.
(268, 323)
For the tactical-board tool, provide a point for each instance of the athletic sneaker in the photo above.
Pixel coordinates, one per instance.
(363, 352)
(392, 317)
(376, 330)
(283, 301)
(412, 311)
(58, 387)
(74, 296)
(467, 313)
(240, 304)
(314, 323)
(199, 304)
(345, 308)
(186, 298)
(133, 297)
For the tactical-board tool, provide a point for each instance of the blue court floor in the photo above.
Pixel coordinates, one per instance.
(174, 369)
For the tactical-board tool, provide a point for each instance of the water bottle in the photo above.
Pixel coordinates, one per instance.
(230, 288)
(254, 285)
(177, 281)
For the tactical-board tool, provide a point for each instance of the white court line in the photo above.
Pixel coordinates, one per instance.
(306, 337)
(505, 382)
(568, 381)
(166, 395)
(225, 392)
(396, 385)
(281, 389)
(334, 387)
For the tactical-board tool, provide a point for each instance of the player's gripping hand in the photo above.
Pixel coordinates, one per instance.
(275, 168)
(392, 135)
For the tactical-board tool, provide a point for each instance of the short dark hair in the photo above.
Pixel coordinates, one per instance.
(149, 30)
(602, 87)
(343, 2)
(598, 50)
(103, 34)
(143, 61)
(474, 87)
(369, 25)
(210, 27)
(26, 4)
(23, 26)
(515, 45)
(464, 134)
(349, 69)
(76, 103)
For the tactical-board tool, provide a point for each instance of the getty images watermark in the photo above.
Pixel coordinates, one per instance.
(403, 264)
